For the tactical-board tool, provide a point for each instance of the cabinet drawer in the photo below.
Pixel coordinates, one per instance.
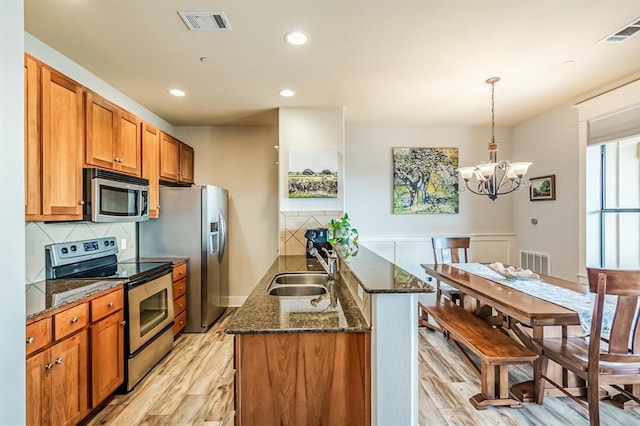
(70, 321)
(179, 271)
(179, 288)
(180, 304)
(180, 323)
(38, 335)
(106, 305)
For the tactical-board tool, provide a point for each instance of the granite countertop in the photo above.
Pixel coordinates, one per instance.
(45, 296)
(377, 275)
(262, 313)
(173, 260)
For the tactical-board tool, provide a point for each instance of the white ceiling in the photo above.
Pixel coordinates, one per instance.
(389, 63)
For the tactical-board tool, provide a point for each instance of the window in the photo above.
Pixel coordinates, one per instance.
(613, 204)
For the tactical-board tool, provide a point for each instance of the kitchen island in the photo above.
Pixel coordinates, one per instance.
(301, 359)
(377, 299)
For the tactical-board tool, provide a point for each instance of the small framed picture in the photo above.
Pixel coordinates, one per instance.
(543, 188)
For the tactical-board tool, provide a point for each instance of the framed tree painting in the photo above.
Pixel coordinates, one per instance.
(542, 188)
(425, 181)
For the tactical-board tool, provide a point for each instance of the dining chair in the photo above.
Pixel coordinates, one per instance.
(445, 250)
(613, 360)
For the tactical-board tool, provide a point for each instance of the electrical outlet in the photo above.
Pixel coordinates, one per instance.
(123, 244)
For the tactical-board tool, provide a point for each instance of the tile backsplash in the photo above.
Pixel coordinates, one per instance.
(39, 234)
(294, 224)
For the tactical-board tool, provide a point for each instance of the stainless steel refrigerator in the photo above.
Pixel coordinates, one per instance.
(193, 224)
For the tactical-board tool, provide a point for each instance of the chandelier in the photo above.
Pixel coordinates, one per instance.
(495, 177)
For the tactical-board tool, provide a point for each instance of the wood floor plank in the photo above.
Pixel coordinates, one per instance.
(193, 385)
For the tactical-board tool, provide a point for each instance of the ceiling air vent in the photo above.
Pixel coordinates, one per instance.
(623, 33)
(208, 20)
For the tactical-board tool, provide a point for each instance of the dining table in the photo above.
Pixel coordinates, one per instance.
(530, 308)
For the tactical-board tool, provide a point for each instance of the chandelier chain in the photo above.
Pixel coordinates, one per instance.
(493, 114)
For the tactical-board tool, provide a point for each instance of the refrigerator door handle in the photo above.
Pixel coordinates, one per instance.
(223, 236)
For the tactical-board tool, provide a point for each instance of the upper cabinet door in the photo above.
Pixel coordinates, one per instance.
(186, 163)
(32, 145)
(62, 143)
(169, 158)
(100, 118)
(151, 166)
(128, 143)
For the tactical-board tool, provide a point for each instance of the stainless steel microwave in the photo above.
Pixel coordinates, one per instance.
(114, 197)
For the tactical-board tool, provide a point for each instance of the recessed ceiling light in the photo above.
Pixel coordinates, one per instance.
(287, 93)
(177, 92)
(297, 38)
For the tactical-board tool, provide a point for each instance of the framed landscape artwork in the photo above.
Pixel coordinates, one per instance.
(543, 188)
(425, 181)
(313, 173)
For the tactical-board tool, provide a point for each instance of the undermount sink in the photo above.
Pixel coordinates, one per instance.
(298, 285)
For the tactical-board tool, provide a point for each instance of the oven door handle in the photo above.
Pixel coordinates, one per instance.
(164, 271)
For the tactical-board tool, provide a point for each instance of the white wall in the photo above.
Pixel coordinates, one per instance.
(243, 160)
(550, 141)
(12, 251)
(310, 128)
(369, 182)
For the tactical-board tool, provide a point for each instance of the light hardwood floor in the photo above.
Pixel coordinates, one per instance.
(193, 385)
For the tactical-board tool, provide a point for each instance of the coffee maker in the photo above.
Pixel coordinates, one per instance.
(317, 238)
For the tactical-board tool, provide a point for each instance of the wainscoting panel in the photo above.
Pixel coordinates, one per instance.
(409, 252)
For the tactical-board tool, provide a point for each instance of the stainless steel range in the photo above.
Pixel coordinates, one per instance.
(148, 297)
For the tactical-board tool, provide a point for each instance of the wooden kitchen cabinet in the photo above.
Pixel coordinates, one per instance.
(113, 136)
(302, 378)
(107, 345)
(57, 383)
(179, 297)
(176, 160)
(151, 166)
(75, 358)
(186, 163)
(53, 144)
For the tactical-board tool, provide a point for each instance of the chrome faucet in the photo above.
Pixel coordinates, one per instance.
(330, 265)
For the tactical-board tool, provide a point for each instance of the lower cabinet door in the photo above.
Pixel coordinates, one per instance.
(107, 357)
(69, 380)
(38, 388)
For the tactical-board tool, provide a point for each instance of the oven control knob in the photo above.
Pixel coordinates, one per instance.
(64, 250)
(111, 243)
(74, 248)
(106, 243)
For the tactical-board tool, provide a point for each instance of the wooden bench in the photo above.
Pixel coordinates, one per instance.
(494, 348)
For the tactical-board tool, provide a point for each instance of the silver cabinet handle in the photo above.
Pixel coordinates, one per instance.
(30, 340)
(48, 366)
(74, 320)
(123, 323)
(81, 203)
(110, 304)
(59, 361)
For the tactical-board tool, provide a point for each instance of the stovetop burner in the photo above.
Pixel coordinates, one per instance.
(121, 270)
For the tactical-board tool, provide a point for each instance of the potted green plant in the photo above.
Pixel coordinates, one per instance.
(343, 237)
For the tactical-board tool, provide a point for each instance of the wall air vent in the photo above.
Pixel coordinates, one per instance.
(208, 20)
(535, 261)
(623, 33)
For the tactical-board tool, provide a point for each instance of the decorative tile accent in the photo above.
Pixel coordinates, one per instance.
(294, 224)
